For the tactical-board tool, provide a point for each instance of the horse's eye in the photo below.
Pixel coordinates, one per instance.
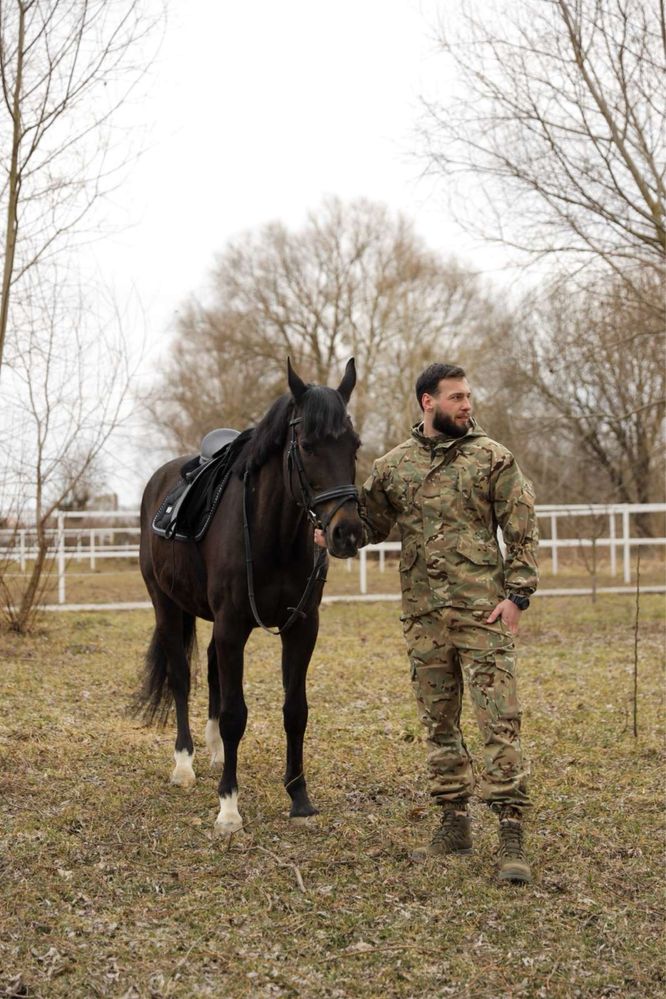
(308, 448)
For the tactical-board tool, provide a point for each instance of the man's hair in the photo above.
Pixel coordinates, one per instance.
(429, 379)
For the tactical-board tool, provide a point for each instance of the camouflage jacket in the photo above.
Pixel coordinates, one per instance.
(448, 497)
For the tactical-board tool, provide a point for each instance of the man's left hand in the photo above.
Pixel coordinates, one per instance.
(510, 614)
(319, 538)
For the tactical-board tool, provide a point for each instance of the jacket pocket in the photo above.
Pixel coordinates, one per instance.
(478, 552)
(408, 556)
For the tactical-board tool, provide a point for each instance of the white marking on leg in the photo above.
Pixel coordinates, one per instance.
(215, 744)
(228, 821)
(183, 773)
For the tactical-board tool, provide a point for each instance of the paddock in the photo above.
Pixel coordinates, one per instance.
(113, 884)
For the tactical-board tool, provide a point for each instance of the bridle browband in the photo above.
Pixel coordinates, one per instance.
(308, 502)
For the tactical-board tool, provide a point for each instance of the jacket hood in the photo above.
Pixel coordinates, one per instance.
(441, 441)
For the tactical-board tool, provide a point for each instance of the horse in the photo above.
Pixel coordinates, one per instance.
(256, 566)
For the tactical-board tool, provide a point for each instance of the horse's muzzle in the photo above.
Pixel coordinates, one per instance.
(343, 536)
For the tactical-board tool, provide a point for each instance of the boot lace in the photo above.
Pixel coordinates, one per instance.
(452, 826)
(511, 845)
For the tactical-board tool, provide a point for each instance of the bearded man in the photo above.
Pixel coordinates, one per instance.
(448, 488)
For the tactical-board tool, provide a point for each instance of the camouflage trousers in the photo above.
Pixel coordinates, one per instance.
(448, 648)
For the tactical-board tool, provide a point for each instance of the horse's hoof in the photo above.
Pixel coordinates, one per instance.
(305, 821)
(183, 778)
(227, 828)
(228, 820)
(183, 773)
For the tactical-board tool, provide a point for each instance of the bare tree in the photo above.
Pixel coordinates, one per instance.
(66, 66)
(559, 124)
(64, 396)
(210, 378)
(355, 280)
(593, 396)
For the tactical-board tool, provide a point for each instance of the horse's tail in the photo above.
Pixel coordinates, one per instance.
(154, 698)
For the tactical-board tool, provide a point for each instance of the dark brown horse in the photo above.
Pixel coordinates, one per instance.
(256, 565)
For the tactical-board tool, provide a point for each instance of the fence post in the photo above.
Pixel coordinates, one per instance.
(553, 537)
(382, 560)
(612, 546)
(92, 550)
(626, 546)
(22, 550)
(61, 558)
(363, 570)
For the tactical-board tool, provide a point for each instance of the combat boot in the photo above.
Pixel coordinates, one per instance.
(454, 834)
(512, 860)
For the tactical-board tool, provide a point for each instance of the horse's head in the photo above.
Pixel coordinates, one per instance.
(321, 459)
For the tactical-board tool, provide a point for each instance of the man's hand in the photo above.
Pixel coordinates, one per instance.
(320, 538)
(510, 614)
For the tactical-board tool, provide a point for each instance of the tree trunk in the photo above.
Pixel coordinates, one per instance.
(14, 185)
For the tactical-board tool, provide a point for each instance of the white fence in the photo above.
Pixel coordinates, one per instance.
(76, 543)
(107, 538)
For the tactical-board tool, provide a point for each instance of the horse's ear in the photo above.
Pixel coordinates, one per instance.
(296, 384)
(346, 386)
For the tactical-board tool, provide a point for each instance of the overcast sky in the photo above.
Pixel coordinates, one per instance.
(256, 110)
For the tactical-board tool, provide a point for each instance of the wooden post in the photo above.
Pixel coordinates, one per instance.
(363, 570)
(61, 558)
(612, 546)
(626, 546)
(553, 536)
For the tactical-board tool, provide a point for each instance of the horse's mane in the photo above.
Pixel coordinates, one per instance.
(322, 410)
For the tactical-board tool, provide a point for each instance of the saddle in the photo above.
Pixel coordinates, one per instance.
(187, 510)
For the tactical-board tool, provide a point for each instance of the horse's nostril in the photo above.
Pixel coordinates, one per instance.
(343, 537)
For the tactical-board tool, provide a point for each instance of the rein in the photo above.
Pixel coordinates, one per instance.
(308, 503)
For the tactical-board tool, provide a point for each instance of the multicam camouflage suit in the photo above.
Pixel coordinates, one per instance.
(447, 497)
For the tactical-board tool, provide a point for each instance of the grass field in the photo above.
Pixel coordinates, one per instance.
(111, 883)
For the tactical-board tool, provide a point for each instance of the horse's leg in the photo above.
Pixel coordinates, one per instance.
(213, 737)
(168, 663)
(297, 646)
(230, 642)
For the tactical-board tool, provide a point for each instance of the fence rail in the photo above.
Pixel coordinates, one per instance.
(100, 539)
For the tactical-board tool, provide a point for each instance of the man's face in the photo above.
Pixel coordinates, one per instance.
(450, 407)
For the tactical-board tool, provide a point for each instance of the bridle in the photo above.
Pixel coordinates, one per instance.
(308, 502)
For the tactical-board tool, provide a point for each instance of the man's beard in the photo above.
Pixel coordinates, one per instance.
(445, 425)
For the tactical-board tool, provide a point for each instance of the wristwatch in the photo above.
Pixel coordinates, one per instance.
(522, 603)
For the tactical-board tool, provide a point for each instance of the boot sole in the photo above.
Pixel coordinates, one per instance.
(517, 875)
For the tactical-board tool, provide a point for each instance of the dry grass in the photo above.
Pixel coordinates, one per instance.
(112, 884)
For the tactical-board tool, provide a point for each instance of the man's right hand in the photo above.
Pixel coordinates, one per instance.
(319, 538)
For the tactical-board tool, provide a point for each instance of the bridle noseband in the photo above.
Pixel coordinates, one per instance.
(309, 501)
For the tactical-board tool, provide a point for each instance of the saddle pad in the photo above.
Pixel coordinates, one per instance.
(186, 512)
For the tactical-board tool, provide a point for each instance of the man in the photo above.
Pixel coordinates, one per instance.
(448, 488)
